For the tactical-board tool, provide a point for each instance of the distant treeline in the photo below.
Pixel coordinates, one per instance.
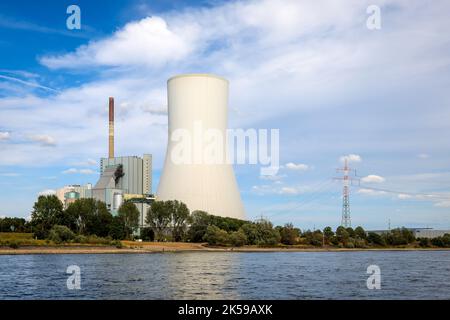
(89, 220)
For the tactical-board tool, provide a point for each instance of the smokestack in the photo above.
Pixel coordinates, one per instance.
(111, 127)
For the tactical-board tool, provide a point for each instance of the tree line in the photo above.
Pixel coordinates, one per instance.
(172, 221)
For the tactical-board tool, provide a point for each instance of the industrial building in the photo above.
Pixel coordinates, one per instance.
(70, 193)
(211, 187)
(418, 232)
(124, 178)
(127, 178)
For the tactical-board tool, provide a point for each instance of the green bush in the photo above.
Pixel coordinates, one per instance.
(424, 242)
(216, 236)
(376, 239)
(117, 243)
(237, 238)
(59, 234)
(14, 244)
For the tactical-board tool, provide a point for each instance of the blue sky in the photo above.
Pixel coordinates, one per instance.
(309, 68)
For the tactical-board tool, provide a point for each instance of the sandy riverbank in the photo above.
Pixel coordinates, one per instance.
(159, 247)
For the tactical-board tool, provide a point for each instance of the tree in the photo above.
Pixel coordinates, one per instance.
(328, 234)
(375, 238)
(14, 225)
(267, 235)
(180, 218)
(45, 214)
(147, 234)
(130, 217)
(200, 220)
(89, 217)
(351, 232)
(251, 233)
(159, 216)
(216, 236)
(342, 234)
(60, 234)
(237, 238)
(360, 233)
(289, 234)
(117, 228)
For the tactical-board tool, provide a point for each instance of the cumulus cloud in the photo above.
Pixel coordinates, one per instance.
(4, 135)
(372, 178)
(44, 140)
(297, 167)
(351, 158)
(148, 42)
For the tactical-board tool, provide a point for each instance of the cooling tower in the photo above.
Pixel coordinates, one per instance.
(198, 103)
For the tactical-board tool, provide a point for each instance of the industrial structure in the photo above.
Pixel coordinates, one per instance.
(429, 233)
(121, 179)
(199, 100)
(346, 220)
(70, 193)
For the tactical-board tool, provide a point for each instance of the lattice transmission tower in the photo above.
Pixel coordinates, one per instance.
(347, 180)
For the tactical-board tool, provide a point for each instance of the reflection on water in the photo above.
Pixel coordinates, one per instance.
(226, 275)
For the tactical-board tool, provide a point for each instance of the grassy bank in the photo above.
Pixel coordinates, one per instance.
(44, 247)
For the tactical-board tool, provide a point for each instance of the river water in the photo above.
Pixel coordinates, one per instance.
(227, 275)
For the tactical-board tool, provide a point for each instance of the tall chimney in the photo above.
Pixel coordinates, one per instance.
(111, 127)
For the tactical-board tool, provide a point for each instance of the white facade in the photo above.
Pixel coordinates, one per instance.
(199, 100)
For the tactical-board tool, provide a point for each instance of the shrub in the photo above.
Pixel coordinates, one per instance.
(375, 238)
(424, 242)
(60, 234)
(14, 245)
(216, 236)
(238, 238)
(117, 243)
(147, 234)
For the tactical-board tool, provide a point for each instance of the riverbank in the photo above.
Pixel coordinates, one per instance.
(160, 247)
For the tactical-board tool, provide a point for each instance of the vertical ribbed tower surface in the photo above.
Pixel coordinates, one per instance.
(199, 101)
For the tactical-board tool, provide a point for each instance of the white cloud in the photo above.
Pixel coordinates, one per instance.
(273, 178)
(43, 139)
(89, 162)
(403, 196)
(372, 178)
(351, 158)
(443, 204)
(4, 135)
(297, 167)
(10, 174)
(148, 42)
(289, 190)
(70, 171)
(371, 192)
(423, 156)
(80, 171)
(47, 192)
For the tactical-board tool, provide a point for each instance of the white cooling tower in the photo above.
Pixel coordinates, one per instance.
(198, 103)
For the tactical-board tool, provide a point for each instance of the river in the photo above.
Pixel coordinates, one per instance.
(228, 275)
